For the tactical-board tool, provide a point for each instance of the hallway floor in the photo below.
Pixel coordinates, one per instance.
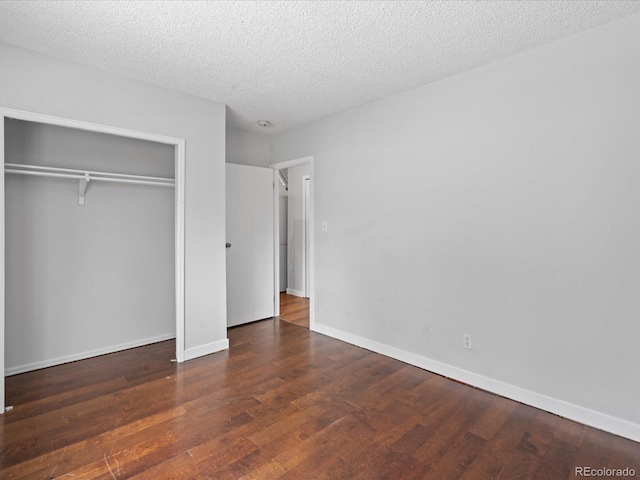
(294, 309)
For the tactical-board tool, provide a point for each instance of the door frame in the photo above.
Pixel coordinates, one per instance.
(276, 229)
(180, 172)
(306, 196)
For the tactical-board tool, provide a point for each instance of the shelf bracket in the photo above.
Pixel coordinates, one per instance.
(82, 188)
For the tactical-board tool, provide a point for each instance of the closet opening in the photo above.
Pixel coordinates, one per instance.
(93, 229)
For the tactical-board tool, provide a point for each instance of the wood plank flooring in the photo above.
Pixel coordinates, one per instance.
(294, 309)
(282, 403)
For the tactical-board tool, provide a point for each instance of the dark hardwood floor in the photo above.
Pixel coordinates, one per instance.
(294, 309)
(284, 403)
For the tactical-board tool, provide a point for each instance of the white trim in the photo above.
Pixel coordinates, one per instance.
(209, 348)
(89, 354)
(306, 220)
(2, 273)
(180, 176)
(292, 163)
(276, 244)
(564, 409)
(276, 247)
(297, 293)
(89, 126)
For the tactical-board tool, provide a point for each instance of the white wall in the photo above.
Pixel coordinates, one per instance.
(82, 280)
(502, 203)
(43, 84)
(247, 148)
(295, 218)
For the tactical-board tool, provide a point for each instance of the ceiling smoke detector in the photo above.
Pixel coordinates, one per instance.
(264, 123)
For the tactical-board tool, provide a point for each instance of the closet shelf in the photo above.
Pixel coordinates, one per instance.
(86, 176)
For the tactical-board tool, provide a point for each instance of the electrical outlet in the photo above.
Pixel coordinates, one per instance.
(466, 341)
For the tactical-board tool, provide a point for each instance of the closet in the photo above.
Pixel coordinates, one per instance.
(90, 243)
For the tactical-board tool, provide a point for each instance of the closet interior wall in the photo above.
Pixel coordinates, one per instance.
(85, 280)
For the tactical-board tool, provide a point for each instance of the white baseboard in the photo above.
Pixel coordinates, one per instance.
(88, 354)
(564, 409)
(209, 348)
(297, 293)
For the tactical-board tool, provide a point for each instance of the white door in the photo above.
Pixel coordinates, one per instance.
(249, 224)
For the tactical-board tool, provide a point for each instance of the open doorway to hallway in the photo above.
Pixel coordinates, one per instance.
(294, 231)
(294, 244)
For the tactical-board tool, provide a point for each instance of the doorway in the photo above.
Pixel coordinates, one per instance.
(293, 200)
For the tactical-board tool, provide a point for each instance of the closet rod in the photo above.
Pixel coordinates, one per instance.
(92, 178)
(87, 175)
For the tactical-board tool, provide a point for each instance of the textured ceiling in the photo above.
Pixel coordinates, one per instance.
(292, 62)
